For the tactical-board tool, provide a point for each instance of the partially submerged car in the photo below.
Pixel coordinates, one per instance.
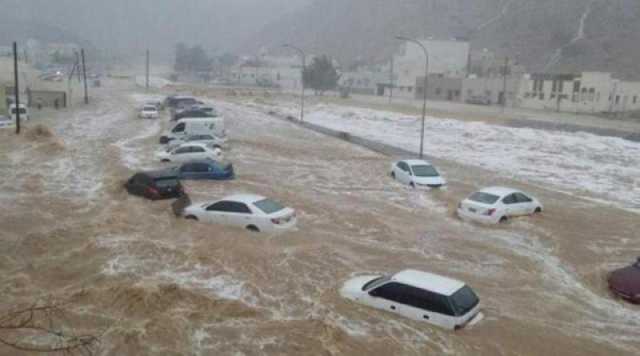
(417, 174)
(421, 296)
(187, 152)
(207, 139)
(149, 111)
(155, 185)
(205, 170)
(497, 204)
(252, 212)
(625, 282)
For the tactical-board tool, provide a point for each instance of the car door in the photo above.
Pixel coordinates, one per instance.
(201, 171)
(510, 205)
(424, 305)
(403, 173)
(386, 297)
(525, 204)
(181, 154)
(187, 171)
(241, 215)
(218, 213)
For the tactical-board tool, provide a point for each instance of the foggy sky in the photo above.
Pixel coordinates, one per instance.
(131, 25)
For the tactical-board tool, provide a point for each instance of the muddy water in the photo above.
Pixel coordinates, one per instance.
(160, 286)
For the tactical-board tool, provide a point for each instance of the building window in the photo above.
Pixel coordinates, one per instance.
(541, 96)
(576, 86)
(592, 93)
(635, 99)
(410, 89)
(617, 99)
(598, 96)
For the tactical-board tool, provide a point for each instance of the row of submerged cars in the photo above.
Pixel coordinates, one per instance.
(495, 205)
(417, 295)
(195, 143)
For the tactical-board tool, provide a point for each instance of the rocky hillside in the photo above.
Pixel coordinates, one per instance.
(553, 35)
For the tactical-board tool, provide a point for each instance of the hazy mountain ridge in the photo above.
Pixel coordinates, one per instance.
(531, 30)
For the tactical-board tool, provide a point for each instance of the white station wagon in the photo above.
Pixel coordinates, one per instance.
(252, 212)
(417, 295)
(192, 151)
(417, 174)
(497, 204)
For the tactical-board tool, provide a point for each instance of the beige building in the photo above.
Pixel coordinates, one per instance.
(588, 92)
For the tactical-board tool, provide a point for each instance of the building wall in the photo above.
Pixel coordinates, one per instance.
(440, 88)
(492, 89)
(589, 92)
(449, 58)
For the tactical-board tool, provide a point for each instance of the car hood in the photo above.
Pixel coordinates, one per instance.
(626, 280)
(429, 180)
(352, 288)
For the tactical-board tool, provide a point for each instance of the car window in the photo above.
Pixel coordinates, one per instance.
(166, 182)
(464, 300)
(424, 171)
(201, 167)
(484, 198)
(523, 198)
(240, 208)
(426, 300)
(187, 167)
(403, 166)
(196, 149)
(179, 128)
(391, 291)
(182, 150)
(510, 199)
(223, 206)
(268, 206)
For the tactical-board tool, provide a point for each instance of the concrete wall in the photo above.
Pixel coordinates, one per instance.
(47, 98)
(440, 88)
(491, 88)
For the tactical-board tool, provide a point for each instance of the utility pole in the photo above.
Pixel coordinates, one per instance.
(391, 81)
(504, 84)
(147, 72)
(77, 65)
(304, 66)
(84, 74)
(17, 86)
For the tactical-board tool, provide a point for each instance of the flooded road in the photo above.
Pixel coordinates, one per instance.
(157, 285)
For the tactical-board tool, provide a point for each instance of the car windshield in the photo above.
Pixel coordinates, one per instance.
(424, 171)
(149, 108)
(484, 198)
(166, 182)
(464, 300)
(200, 138)
(374, 283)
(268, 206)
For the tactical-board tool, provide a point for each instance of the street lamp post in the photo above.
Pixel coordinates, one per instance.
(304, 64)
(426, 74)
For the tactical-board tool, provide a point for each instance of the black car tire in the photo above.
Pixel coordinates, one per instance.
(191, 217)
(253, 228)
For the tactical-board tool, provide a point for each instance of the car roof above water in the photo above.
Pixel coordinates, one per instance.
(416, 162)
(499, 191)
(428, 281)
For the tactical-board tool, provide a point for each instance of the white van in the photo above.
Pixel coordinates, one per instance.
(192, 126)
(417, 295)
(24, 112)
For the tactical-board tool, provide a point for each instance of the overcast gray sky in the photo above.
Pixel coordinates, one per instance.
(134, 24)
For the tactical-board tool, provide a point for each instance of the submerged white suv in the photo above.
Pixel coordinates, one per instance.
(417, 295)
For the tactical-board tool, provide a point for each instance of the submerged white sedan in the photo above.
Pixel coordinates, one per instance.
(497, 204)
(252, 212)
(417, 174)
(192, 151)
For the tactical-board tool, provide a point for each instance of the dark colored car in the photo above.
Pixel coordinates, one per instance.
(625, 282)
(155, 185)
(205, 169)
